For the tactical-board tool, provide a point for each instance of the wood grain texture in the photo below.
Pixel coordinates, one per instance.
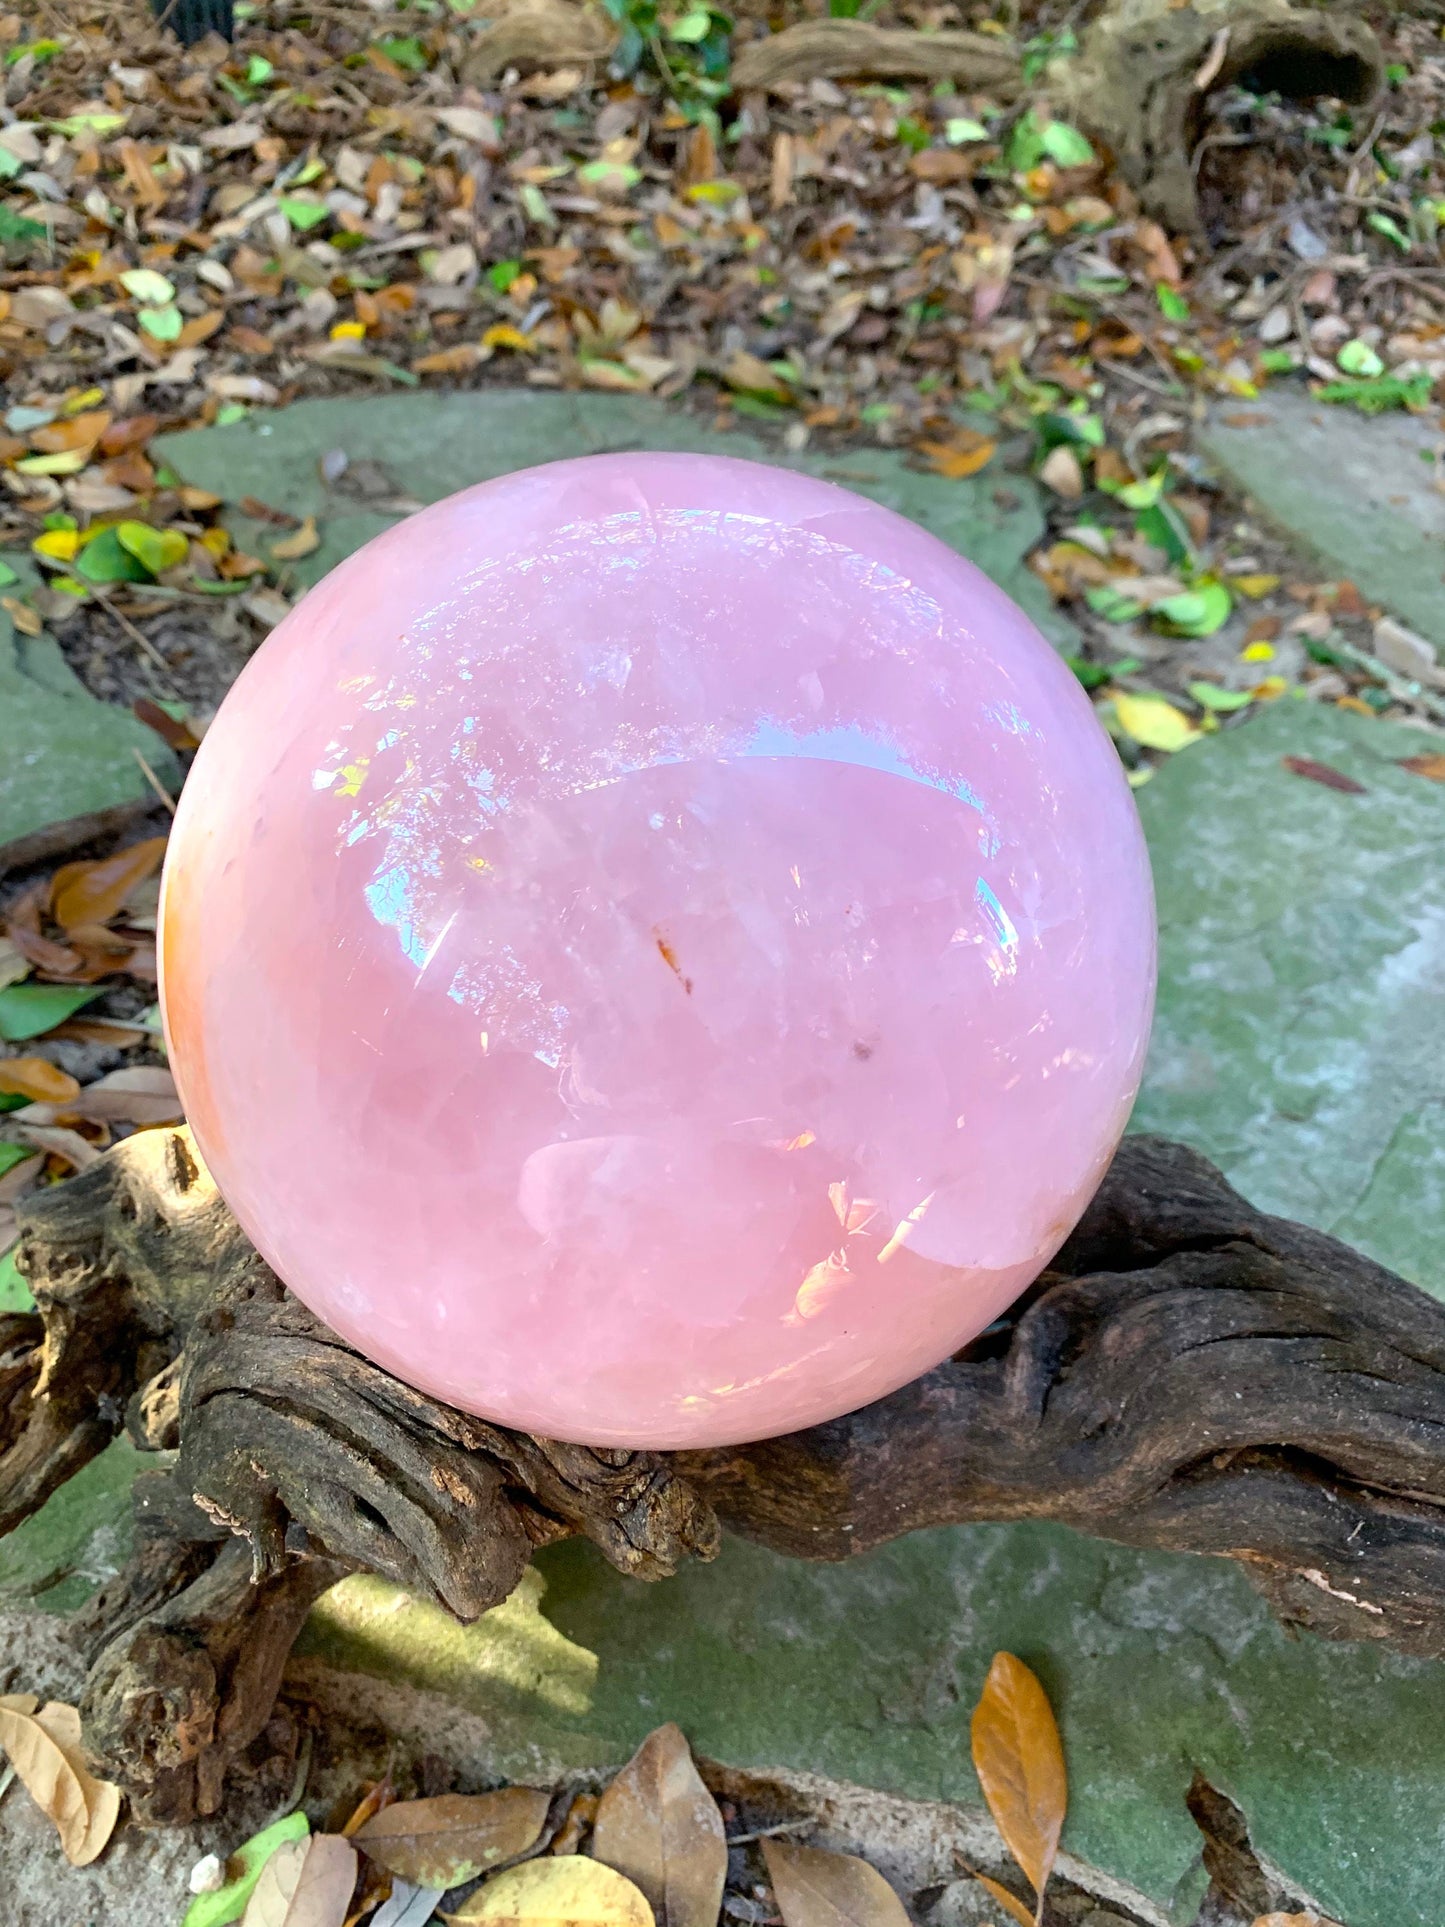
(1190, 1374)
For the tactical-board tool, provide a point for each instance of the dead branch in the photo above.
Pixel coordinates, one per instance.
(1190, 1374)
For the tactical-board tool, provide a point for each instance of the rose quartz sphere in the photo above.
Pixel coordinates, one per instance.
(657, 950)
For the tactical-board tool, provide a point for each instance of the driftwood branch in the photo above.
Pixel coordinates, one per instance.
(1190, 1374)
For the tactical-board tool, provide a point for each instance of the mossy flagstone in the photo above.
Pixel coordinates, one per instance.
(63, 752)
(1359, 494)
(428, 445)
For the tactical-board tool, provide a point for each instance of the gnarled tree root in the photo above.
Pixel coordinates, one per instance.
(1189, 1374)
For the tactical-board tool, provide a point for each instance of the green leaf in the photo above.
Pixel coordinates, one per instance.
(1172, 304)
(1374, 397)
(10, 165)
(155, 549)
(231, 411)
(1143, 494)
(13, 1154)
(692, 27)
(502, 274)
(1209, 695)
(534, 205)
(228, 1903)
(258, 71)
(1276, 361)
(912, 134)
(1359, 358)
(17, 230)
(613, 174)
(96, 123)
(1093, 675)
(163, 324)
(1161, 525)
(107, 559)
(29, 1010)
(1065, 145)
(7, 575)
(15, 1294)
(1382, 224)
(406, 50)
(1199, 611)
(303, 214)
(962, 130)
(1111, 603)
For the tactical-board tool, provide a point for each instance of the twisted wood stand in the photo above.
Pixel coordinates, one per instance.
(1189, 1374)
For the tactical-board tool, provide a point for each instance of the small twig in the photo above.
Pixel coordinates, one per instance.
(155, 782)
(771, 1833)
(137, 636)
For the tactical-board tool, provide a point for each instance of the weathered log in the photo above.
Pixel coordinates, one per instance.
(1189, 1374)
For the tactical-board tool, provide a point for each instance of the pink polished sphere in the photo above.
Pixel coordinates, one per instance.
(657, 950)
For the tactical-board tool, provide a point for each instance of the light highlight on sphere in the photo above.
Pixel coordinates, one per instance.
(657, 950)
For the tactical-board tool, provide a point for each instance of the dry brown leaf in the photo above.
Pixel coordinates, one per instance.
(20, 1702)
(1063, 473)
(102, 1798)
(305, 541)
(59, 1786)
(1430, 765)
(658, 1824)
(1019, 1760)
(959, 459)
(38, 1079)
(570, 1892)
(574, 1829)
(142, 1094)
(1292, 1920)
(89, 893)
(1010, 1903)
(819, 1889)
(1324, 774)
(444, 1841)
(305, 1883)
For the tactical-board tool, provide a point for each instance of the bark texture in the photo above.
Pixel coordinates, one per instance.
(1189, 1374)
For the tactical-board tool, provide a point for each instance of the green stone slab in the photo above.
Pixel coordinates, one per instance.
(63, 753)
(79, 1538)
(1357, 492)
(1300, 1037)
(432, 444)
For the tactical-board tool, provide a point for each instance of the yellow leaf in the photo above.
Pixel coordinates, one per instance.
(1254, 585)
(818, 1889)
(658, 1824)
(1271, 687)
(1019, 1759)
(69, 462)
(452, 1838)
(1257, 652)
(82, 1810)
(61, 545)
(1010, 1903)
(566, 1892)
(1155, 723)
(38, 1079)
(503, 335)
(349, 331)
(303, 541)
